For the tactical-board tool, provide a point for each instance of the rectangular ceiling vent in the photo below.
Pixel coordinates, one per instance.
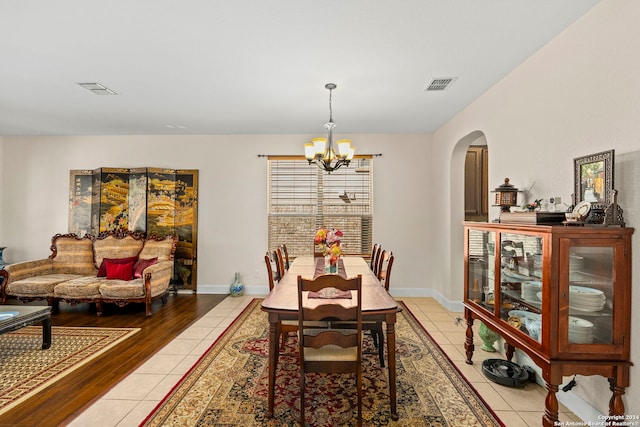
(440, 83)
(98, 88)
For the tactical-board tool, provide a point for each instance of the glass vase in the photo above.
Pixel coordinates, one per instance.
(488, 338)
(237, 287)
(2, 263)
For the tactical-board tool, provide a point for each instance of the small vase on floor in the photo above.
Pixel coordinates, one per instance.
(488, 337)
(237, 287)
(2, 263)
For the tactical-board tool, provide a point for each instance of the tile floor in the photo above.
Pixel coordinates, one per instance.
(136, 396)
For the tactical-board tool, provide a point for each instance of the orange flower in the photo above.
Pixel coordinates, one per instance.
(335, 250)
(321, 235)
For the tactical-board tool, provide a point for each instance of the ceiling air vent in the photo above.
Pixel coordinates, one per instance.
(98, 88)
(440, 83)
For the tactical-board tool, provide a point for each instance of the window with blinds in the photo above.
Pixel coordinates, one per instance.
(303, 197)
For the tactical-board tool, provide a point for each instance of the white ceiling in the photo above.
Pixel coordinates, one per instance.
(259, 66)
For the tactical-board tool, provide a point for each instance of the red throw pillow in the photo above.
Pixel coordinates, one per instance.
(116, 271)
(141, 264)
(102, 271)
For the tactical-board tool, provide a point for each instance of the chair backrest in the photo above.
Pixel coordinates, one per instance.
(267, 261)
(277, 271)
(377, 270)
(327, 349)
(327, 309)
(285, 253)
(374, 252)
(279, 262)
(387, 272)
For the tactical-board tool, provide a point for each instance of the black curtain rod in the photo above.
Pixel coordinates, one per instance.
(302, 155)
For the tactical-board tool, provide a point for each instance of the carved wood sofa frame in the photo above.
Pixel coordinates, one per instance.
(69, 273)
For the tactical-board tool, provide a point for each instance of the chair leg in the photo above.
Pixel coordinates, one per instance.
(380, 334)
(302, 415)
(359, 392)
(374, 335)
(283, 339)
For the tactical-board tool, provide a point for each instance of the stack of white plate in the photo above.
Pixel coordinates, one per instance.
(576, 263)
(580, 331)
(586, 299)
(530, 289)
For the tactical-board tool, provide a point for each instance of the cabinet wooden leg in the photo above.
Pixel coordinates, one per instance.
(550, 417)
(509, 351)
(468, 341)
(616, 405)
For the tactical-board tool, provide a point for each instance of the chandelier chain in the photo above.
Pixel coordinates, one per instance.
(330, 107)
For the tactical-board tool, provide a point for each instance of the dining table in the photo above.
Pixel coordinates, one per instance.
(377, 305)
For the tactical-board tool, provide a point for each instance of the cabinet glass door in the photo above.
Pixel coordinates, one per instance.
(521, 282)
(481, 268)
(591, 295)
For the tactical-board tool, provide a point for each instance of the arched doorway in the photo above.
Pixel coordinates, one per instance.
(456, 209)
(476, 181)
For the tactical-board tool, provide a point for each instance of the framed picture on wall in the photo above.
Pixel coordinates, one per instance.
(593, 178)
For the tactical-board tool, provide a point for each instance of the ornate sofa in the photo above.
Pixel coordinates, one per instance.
(119, 267)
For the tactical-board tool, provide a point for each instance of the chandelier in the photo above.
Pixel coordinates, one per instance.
(321, 152)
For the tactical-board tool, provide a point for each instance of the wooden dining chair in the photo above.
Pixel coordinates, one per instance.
(272, 273)
(376, 329)
(285, 254)
(285, 326)
(374, 252)
(330, 349)
(274, 265)
(276, 258)
(382, 254)
(376, 259)
(384, 275)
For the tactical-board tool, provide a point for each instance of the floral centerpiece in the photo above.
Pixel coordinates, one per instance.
(328, 244)
(335, 252)
(325, 239)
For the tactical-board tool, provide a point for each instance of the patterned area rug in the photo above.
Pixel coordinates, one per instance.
(228, 385)
(25, 368)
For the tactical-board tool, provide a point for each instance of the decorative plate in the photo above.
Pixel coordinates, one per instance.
(532, 284)
(582, 208)
(578, 322)
(8, 315)
(514, 321)
(524, 314)
(583, 290)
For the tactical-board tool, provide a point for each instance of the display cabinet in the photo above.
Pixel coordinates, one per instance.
(561, 294)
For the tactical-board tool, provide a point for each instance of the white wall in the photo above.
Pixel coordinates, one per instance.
(232, 232)
(578, 95)
(1, 187)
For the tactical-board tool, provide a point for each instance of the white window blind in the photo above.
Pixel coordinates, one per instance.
(302, 198)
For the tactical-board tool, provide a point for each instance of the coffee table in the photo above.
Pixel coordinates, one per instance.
(25, 316)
